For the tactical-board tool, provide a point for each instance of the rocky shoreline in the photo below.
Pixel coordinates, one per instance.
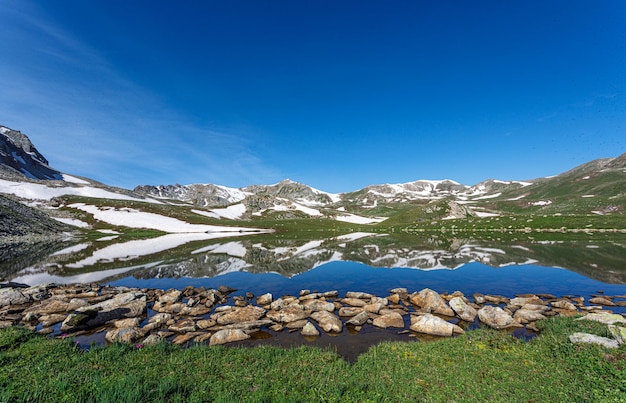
(198, 315)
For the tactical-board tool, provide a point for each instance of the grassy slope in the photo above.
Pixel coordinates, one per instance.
(478, 366)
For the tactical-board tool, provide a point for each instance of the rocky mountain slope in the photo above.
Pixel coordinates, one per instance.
(20, 158)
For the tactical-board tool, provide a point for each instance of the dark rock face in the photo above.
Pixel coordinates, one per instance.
(17, 219)
(18, 156)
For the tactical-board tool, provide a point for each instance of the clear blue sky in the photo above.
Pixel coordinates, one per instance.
(334, 94)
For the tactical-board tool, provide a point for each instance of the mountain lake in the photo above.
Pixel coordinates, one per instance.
(584, 265)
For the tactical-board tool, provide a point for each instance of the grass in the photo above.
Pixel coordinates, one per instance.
(478, 366)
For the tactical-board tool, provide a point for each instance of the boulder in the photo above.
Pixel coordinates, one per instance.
(264, 299)
(601, 301)
(496, 317)
(171, 296)
(12, 296)
(354, 302)
(373, 307)
(310, 330)
(288, 314)
(527, 315)
(564, 304)
(521, 301)
(618, 333)
(316, 305)
(329, 322)
(604, 317)
(123, 335)
(245, 314)
(349, 311)
(48, 307)
(152, 340)
(393, 319)
(431, 301)
(359, 319)
(128, 322)
(183, 326)
(463, 309)
(359, 295)
(434, 325)
(593, 339)
(228, 336)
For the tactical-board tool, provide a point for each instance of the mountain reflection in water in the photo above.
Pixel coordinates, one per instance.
(358, 261)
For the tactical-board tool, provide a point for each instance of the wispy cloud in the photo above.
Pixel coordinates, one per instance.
(88, 119)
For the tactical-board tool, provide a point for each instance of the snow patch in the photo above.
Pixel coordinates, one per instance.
(73, 179)
(541, 203)
(71, 249)
(231, 212)
(488, 196)
(355, 219)
(72, 221)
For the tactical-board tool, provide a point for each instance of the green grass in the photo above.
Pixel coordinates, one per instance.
(478, 366)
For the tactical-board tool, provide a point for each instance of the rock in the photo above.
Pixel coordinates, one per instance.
(12, 296)
(128, 322)
(564, 304)
(318, 305)
(288, 314)
(253, 324)
(48, 307)
(202, 338)
(618, 333)
(593, 339)
(225, 289)
(373, 308)
(434, 325)
(349, 311)
(153, 339)
(206, 323)
(329, 322)
(160, 318)
(359, 319)
(78, 320)
(601, 301)
(124, 335)
(535, 307)
(400, 291)
(394, 298)
(390, 320)
(462, 309)
(245, 314)
(198, 310)
(304, 292)
(171, 296)
(52, 319)
(479, 298)
(330, 294)
(379, 300)
(496, 299)
(354, 302)
(310, 330)
(431, 301)
(526, 315)
(606, 318)
(521, 301)
(183, 326)
(31, 317)
(228, 336)
(264, 299)
(6, 324)
(299, 324)
(358, 295)
(76, 303)
(496, 317)
(184, 338)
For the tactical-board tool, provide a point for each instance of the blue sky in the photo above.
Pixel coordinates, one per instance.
(334, 94)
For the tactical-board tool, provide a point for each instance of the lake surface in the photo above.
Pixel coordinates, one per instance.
(373, 263)
(367, 262)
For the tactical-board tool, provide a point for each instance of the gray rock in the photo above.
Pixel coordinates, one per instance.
(593, 339)
(604, 317)
(434, 325)
(245, 314)
(526, 315)
(358, 295)
(618, 333)
(564, 304)
(153, 339)
(310, 330)
(123, 335)
(171, 296)
(183, 326)
(12, 296)
(462, 309)
(264, 299)
(228, 336)
(431, 301)
(329, 322)
(496, 317)
(521, 301)
(288, 314)
(349, 311)
(318, 305)
(389, 320)
(359, 319)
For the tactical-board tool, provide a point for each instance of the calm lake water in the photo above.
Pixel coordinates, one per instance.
(367, 262)
(374, 263)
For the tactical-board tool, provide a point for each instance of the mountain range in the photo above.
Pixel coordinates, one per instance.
(595, 188)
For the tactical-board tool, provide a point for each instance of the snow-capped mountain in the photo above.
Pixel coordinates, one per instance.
(20, 158)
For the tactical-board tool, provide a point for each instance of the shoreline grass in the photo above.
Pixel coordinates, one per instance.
(481, 365)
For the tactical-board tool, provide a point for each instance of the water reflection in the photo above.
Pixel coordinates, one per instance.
(195, 256)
